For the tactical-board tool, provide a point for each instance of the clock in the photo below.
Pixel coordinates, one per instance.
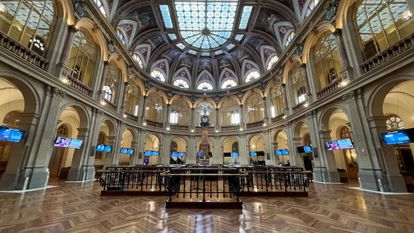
(204, 121)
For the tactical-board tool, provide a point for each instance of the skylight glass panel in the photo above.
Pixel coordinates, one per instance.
(181, 46)
(172, 36)
(166, 17)
(230, 46)
(192, 52)
(239, 37)
(247, 11)
(205, 54)
(218, 52)
(206, 24)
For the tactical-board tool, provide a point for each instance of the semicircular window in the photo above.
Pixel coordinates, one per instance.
(181, 83)
(205, 86)
(206, 24)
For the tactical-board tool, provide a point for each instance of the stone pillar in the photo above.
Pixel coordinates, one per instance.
(346, 68)
(268, 149)
(218, 119)
(243, 151)
(378, 170)
(63, 60)
(297, 158)
(166, 116)
(266, 118)
(133, 160)
(276, 158)
(165, 152)
(143, 109)
(192, 119)
(191, 153)
(307, 81)
(121, 97)
(327, 171)
(98, 81)
(288, 99)
(76, 172)
(140, 147)
(217, 151)
(242, 117)
(110, 156)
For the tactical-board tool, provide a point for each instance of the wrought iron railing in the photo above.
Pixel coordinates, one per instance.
(139, 181)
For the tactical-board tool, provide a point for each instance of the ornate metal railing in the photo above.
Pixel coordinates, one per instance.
(22, 51)
(385, 56)
(179, 127)
(155, 124)
(75, 82)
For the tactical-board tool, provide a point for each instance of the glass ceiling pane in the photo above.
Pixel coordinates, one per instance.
(247, 11)
(205, 18)
(166, 17)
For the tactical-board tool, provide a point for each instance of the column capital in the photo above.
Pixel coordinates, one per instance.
(337, 32)
(72, 29)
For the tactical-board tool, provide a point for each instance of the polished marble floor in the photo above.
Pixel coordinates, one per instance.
(76, 207)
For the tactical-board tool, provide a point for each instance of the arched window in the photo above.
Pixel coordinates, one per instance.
(289, 38)
(132, 99)
(229, 83)
(277, 98)
(138, 60)
(254, 74)
(205, 86)
(154, 108)
(381, 24)
(394, 122)
(158, 75)
(100, 6)
(230, 113)
(83, 57)
(297, 82)
(121, 36)
(254, 108)
(311, 7)
(179, 112)
(272, 61)
(28, 22)
(181, 83)
(326, 60)
(107, 93)
(112, 77)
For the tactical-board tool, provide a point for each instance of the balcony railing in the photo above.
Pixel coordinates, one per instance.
(75, 82)
(110, 104)
(155, 124)
(131, 117)
(232, 127)
(22, 51)
(255, 124)
(402, 46)
(278, 118)
(179, 127)
(328, 89)
(298, 107)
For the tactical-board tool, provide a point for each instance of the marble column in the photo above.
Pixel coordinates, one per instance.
(166, 117)
(143, 111)
(133, 159)
(266, 115)
(269, 154)
(191, 153)
(110, 156)
(307, 81)
(244, 150)
(165, 150)
(242, 117)
(289, 102)
(218, 120)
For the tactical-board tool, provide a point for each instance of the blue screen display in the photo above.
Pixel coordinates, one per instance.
(307, 149)
(75, 144)
(100, 147)
(177, 154)
(11, 135)
(199, 154)
(282, 152)
(61, 142)
(253, 153)
(151, 153)
(345, 144)
(107, 148)
(123, 151)
(130, 151)
(234, 154)
(396, 137)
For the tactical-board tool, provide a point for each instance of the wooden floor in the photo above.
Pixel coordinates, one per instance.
(73, 207)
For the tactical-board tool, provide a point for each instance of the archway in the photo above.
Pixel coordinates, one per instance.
(198, 149)
(72, 131)
(280, 146)
(302, 145)
(12, 105)
(178, 150)
(127, 142)
(231, 151)
(104, 154)
(257, 150)
(151, 150)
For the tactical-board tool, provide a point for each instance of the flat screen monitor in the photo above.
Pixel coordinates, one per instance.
(107, 148)
(75, 144)
(307, 149)
(151, 153)
(332, 145)
(199, 154)
(234, 154)
(398, 137)
(123, 151)
(282, 152)
(100, 147)
(253, 153)
(300, 149)
(130, 151)
(62, 142)
(345, 144)
(11, 135)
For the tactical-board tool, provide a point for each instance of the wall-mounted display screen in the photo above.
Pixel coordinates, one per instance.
(100, 147)
(123, 151)
(282, 152)
(107, 148)
(130, 151)
(307, 149)
(151, 153)
(199, 154)
(61, 142)
(398, 137)
(332, 145)
(177, 154)
(11, 135)
(345, 144)
(253, 153)
(234, 154)
(75, 144)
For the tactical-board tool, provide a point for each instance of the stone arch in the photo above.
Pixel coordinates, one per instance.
(96, 34)
(250, 93)
(231, 97)
(208, 100)
(158, 92)
(327, 113)
(67, 11)
(117, 59)
(83, 113)
(183, 97)
(314, 37)
(288, 67)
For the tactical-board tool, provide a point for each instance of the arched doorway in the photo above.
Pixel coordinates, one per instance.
(302, 145)
(151, 150)
(281, 149)
(104, 149)
(178, 151)
(127, 142)
(231, 151)
(257, 150)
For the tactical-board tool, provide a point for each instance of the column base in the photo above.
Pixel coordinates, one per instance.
(86, 172)
(28, 178)
(322, 174)
(376, 180)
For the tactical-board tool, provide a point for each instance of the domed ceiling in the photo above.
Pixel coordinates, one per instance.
(207, 45)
